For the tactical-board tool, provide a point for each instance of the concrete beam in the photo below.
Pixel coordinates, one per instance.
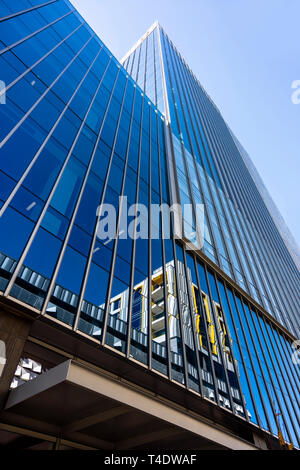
(134, 398)
(95, 419)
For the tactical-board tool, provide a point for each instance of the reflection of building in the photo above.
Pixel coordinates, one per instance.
(209, 165)
(204, 335)
(132, 344)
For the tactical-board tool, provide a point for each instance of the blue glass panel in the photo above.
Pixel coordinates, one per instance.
(71, 270)
(43, 253)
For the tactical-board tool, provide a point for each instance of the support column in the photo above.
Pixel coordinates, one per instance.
(14, 331)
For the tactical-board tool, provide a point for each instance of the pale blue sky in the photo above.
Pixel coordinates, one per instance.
(246, 55)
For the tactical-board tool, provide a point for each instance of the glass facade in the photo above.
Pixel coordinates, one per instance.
(240, 234)
(80, 132)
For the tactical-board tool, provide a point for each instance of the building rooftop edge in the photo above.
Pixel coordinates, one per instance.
(142, 38)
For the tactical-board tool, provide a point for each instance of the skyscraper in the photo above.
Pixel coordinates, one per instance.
(98, 276)
(210, 167)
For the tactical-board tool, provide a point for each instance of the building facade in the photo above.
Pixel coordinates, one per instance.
(206, 321)
(240, 235)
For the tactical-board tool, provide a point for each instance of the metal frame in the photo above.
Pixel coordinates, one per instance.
(219, 343)
(203, 129)
(280, 349)
(114, 252)
(271, 375)
(18, 13)
(295, 368)
(193, 321)
(73, 218)
(241, 353)
(262, 370)
(17, 43)
(252, 365)
(49, 198)
(133, 253)
(185, 367)
(92, 247)
(215, 383)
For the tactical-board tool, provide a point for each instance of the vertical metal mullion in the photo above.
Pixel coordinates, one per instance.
(252, 364)
(257, 258)
(269, 260)
(94, 235)
(242, 355)
(172, 90)
(149, 305)
(282, 372)
(149, 243)
(185, 363)
(231, 350)
(115, 248)
(203, 311)
(169, 361)
(164, 81)
(128, 344)
(37, 102)
(192, 322)
(216, 321)
(146, 68)
(271, 377)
